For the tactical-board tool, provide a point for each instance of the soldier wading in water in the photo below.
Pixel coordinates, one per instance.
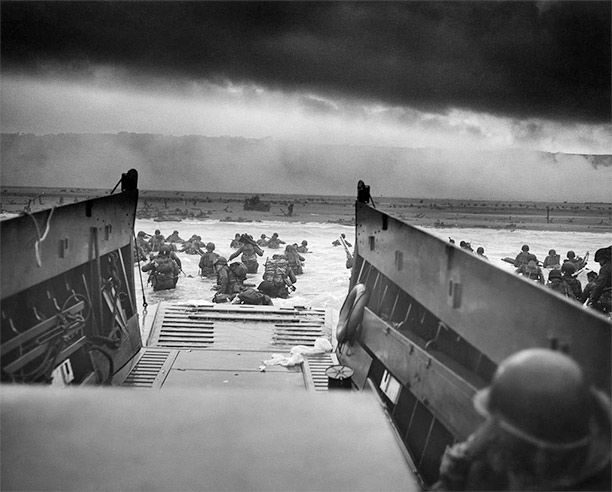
(164, 270)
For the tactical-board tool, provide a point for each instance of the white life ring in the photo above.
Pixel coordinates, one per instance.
(351, 313)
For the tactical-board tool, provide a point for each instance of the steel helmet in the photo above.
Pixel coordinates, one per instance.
(603, 254)
(540, 396)
(552, 252)
(165, 249)
(571, 254)
(554, 274)
(525, 247)
(221, 261)
(568, 267)
(210, 246)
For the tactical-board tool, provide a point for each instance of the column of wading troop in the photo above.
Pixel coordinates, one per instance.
(280, 271)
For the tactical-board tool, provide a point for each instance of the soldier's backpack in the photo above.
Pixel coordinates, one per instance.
(165, 266)
(253, 296)
(239, 269)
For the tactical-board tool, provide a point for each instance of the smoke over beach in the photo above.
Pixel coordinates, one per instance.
(248, 165)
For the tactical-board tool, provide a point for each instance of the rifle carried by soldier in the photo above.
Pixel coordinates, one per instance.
(349, 255)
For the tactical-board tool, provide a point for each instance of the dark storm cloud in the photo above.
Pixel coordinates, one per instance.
(521, 59)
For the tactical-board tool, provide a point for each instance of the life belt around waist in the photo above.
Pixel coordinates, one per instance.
(351, 313)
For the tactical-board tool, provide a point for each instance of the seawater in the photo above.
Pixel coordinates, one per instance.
(325, 281)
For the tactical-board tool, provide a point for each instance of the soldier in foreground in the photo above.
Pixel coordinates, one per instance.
(545, 429)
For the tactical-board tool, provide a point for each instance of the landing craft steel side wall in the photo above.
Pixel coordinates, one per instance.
(107, 221)
(495, 311)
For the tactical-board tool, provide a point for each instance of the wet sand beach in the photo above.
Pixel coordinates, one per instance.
(441, 213)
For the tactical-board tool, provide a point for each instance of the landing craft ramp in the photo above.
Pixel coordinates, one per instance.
(224, 345)
(194, 411)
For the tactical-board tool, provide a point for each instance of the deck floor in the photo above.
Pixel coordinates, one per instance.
(210, 346)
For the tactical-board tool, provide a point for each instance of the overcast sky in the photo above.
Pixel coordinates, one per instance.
(454, 75)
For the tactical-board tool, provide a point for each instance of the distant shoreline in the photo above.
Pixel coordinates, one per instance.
(443, 213)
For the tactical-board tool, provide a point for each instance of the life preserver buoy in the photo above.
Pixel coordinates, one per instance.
(351, 313)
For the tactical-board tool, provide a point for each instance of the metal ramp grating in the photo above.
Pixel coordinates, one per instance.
(297, 333)
(177, 330)
(227, 326)
(151, 368)
(314, 370)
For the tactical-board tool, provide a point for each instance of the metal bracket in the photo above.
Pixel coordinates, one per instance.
(455, 293)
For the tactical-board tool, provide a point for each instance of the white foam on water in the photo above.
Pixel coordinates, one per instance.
(325, 281)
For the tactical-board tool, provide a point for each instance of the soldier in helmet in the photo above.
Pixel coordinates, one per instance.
(263, 240)
(586, 292)
(193, 245)
(545, 429)
(341, 239)
(481, 252)
(294, 259)
(532, 271)
(164, 271)
(236, 241)
(303, 247)
(577, 261)
(249, 249)
(601, 295)
(524, 257)
(224, 288)
(142, 246)
(156, 240)
(275, 241)
(553, 260)
(207, 261)
(174, 238)
(568, 269)
(278, 278)
(558, 284)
